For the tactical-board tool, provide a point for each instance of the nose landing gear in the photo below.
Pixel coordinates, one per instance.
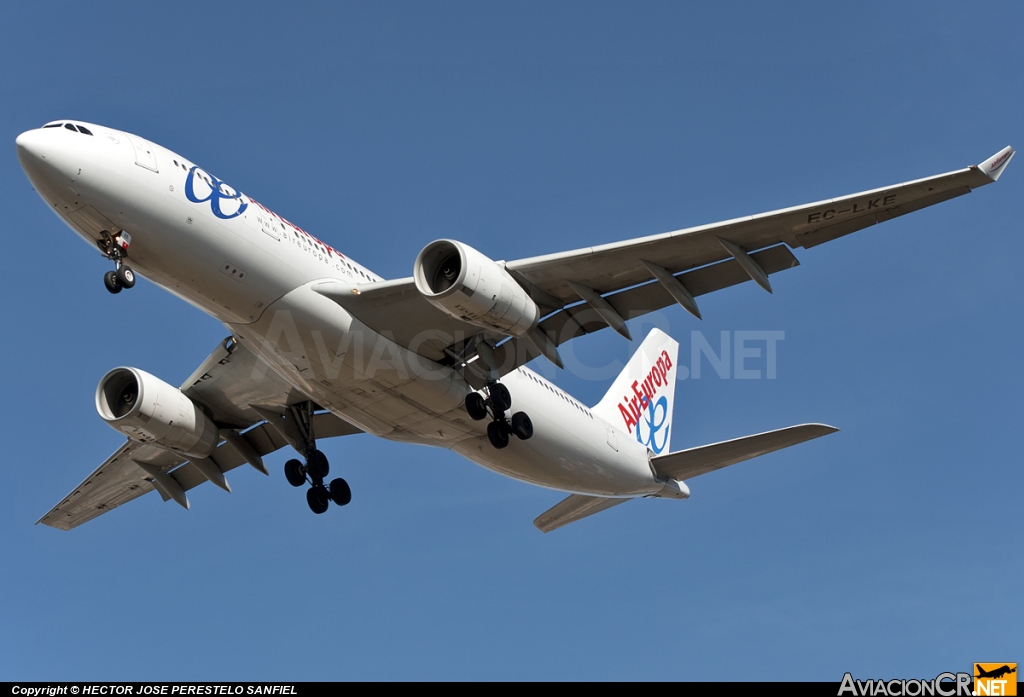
(115, 248)
(497, 402)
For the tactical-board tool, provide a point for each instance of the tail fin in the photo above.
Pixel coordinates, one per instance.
(640, 400)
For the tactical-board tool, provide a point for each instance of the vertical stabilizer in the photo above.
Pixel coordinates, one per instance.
(640, 400)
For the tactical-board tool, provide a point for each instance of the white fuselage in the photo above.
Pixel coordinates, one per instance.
(253, 270)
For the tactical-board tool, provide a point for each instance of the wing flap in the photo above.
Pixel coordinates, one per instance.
(687, 464)
(581, 319)
(264, 439)
(575, 507)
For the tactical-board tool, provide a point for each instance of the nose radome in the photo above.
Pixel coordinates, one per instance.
(29, 143)
(26, 140)
(48, 153)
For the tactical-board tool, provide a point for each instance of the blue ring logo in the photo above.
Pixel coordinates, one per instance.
(219, 191)
(654, 425)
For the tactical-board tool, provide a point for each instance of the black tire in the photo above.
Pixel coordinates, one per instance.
(500, 397)
(125, 276)
(111, 282)
(522, 426)
(293, 473)
(317, 466)
(497, 433)
(341, 494)
(476, 406)
(318, 498)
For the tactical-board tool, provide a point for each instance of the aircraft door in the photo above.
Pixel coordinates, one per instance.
(144, 153)
(613, 437)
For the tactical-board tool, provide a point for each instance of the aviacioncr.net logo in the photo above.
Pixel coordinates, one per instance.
(944, 685)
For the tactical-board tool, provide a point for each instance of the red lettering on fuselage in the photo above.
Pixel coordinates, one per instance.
(327, 248)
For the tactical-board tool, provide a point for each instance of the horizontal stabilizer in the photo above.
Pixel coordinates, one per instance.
(573, 508)
(686, 464)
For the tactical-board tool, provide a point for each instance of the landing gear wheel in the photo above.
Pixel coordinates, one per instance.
(294, 473)
(318, 498)
(341, 494)
(111, 282)
(500, 397)
(316, 465)
(476, 406)
(522, 426)
(497, 433)
(125, 276)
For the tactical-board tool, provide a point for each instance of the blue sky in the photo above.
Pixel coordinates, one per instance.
(891, 549)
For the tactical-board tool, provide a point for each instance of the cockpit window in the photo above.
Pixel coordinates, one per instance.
(86, 131)
(53, 125)
(69, 127)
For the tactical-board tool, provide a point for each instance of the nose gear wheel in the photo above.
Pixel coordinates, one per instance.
(115, 248)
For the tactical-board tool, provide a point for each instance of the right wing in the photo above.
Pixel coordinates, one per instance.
(580, 289)
(229, 383)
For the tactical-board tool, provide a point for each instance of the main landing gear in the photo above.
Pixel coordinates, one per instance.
(318, 496)
(497, 402)
(316, 468)
(115, 248)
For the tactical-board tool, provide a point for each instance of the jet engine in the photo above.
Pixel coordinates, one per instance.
(465, 284)
(147, 409)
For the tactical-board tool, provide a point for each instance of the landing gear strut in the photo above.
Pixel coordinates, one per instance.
(115, 248)
(497, 402)
(316, 467)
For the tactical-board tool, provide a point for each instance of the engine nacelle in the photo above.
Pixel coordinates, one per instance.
(147, 409)
(465, 284)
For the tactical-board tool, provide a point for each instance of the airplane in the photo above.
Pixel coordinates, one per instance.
(996, 672)
(322, 347)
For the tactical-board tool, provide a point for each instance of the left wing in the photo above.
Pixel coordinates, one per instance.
(585, 290)
(229, 383)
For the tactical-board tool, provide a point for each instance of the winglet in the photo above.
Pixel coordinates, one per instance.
(994, 166)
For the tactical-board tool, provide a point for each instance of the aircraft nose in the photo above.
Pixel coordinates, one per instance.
(46, 156)
(38, 151)
(30, 144)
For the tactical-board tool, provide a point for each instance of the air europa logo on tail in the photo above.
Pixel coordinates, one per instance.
(633, 406)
